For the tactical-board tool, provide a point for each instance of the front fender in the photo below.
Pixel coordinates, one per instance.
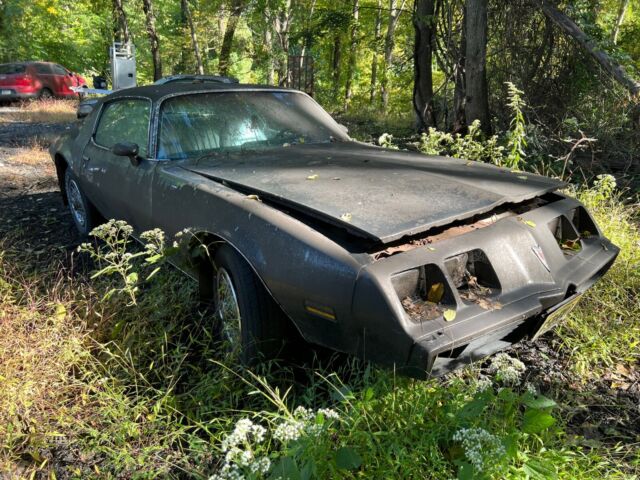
(305, 272)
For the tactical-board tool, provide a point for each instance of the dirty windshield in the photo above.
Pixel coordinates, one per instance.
(206, 123)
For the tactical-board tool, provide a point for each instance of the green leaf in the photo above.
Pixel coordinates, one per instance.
(539, 470)
(540, 402)
(132, 278)
(285, 469)
(348, 459)
(465, 472)
(535, 421)
(474, 408)
(155, 270)
(449, 315)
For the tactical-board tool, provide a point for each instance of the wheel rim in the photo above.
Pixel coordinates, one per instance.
(228, 309)
(76, 204)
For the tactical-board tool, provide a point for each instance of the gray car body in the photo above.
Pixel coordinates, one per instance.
(309, 220)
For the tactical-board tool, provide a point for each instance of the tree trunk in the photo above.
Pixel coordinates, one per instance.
(353, 52)
(624, 4)
(377, 35)
(336, 59)
(122, 31)
(389, 43)
(147, 6)
(569, 27)
(423, 23)
(237, 7)
(268, 45)
(281, 27)
(194, 39)
(477, 95)
(459, 92)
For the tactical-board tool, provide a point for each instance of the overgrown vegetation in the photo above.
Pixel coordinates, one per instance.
(96, 385)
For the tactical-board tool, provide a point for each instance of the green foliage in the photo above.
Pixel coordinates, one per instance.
(517, 134)
(139, 388)
(471, 146)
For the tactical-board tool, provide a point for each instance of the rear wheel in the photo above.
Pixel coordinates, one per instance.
(45, 94)
(85, 217)
(251, 324)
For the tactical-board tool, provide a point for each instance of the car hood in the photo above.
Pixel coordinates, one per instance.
(377, 193)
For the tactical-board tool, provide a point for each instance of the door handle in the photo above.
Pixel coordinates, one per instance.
(85, 160)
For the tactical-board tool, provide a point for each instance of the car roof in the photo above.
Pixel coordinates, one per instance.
(158, 92)
(196, 78)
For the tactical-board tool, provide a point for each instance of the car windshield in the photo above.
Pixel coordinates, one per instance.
(11, 68)
(198, 124)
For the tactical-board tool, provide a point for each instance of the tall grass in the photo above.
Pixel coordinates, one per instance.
(95, 386)
(42, 111)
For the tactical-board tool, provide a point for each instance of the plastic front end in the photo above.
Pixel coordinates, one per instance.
(433, 307)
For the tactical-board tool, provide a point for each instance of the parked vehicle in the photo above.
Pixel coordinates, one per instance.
(24, 80)
(421, 262)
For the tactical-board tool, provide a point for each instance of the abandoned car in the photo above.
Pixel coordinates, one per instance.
(421, 262)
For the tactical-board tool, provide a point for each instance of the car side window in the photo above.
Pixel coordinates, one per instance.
(58, 70)
(125, 121)
(43, 69)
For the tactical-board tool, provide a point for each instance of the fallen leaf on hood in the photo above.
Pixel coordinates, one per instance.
(346, 217)
(523, 177)
(313, 177)
(528, 223)
(449, 315)
(253, 197)
(436, 292)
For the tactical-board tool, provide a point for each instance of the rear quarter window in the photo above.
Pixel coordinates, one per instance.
(12, 68)
(58, 70)
(43, 68)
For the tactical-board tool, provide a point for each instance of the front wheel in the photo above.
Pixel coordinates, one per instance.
(252, 326)
(82, 210)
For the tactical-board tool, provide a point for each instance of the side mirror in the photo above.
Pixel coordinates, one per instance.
(85, 108)
(127, 149)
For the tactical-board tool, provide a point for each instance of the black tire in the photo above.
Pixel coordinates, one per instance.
(84, 214)
(264, 328)
(45, 94)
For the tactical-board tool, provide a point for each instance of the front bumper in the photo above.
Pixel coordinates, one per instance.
(535, 277)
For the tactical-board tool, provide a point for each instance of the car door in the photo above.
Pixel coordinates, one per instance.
(61, 80)
(117, 187)
(45, 75)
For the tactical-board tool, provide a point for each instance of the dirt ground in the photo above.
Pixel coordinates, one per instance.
(32, 215)
(37, 228)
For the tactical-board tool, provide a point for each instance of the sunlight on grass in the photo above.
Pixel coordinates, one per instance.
(41, 111)
(96, 386)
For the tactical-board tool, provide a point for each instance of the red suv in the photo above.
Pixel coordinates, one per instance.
(37, 80)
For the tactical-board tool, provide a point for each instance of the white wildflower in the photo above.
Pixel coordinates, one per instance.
(507, 370)
(289, 430)
(483, 384)
(303, 413)
(261, 465)
(244, 432)
(481, 448)
(531, 388)
(329, 414)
